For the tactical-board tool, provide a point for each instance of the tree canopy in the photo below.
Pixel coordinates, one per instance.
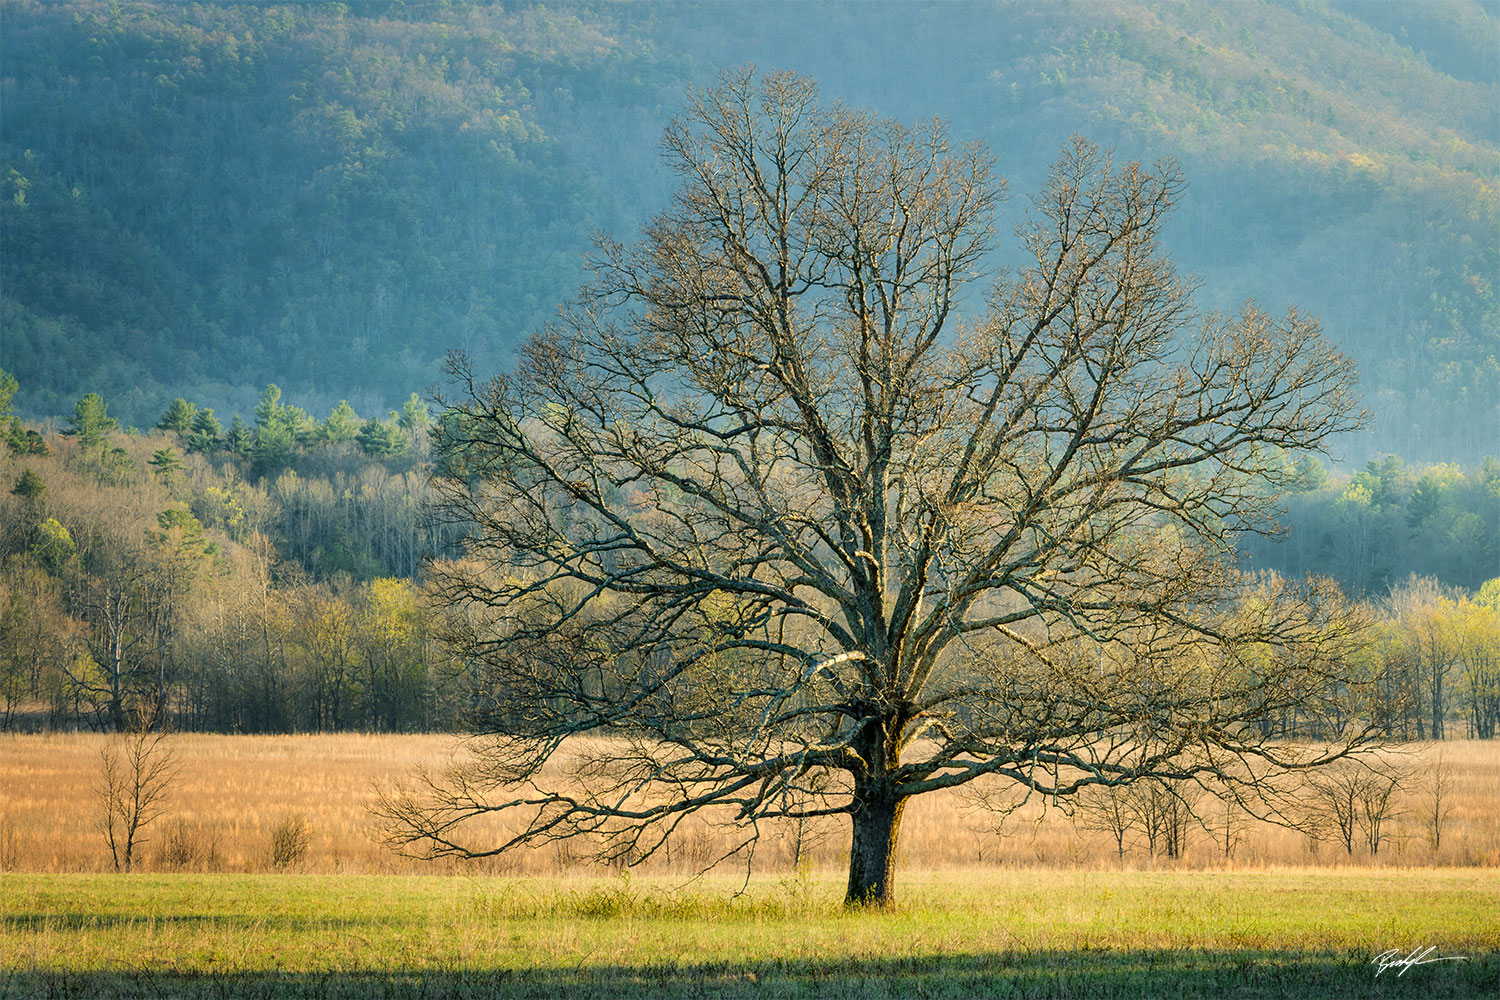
(796, 537)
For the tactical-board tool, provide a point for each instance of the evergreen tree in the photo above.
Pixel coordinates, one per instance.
(303, 428)
(273, 447)
(23, 440)
(165, 465)
(180, 530)
(90, 422)
(382, 438)
(240, 439)
(342, 424)
(29, 487)
(178, 417)
(414, 417)
(279, 431)
(205, 431)
(270, 410)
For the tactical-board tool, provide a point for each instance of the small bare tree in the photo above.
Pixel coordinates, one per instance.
(1377, 807)
(1232, 832)
(1107, 810)
(1438, 784)
(1179, 816)
(288, 842)
(1355, 800)
(136, 772)
(1162, 809)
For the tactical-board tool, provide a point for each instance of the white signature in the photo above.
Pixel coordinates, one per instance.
(1417, 956)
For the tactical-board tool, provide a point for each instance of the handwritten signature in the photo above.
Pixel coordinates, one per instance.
(1393, 959)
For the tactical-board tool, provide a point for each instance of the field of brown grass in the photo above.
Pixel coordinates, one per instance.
(232, 792)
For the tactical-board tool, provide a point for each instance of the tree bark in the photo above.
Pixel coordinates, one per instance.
(872, 858)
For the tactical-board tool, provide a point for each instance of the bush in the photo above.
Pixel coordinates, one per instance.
(189, 847)
(289, 842)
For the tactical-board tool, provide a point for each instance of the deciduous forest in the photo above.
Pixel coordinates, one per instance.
(200, 199)
(204, 203)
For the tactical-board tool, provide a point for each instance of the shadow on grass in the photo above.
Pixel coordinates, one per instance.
(38, 922)
(1184, 973)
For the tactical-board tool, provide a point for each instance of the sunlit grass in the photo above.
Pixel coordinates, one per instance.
(1041, 932)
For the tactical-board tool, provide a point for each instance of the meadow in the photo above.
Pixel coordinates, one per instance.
(1031, 933)
(1041, 907)
(233, 792)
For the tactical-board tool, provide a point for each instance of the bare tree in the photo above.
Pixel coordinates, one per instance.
(1106, 809)
(759, 506)
(1377, 807)
(1163, 809)
(1439, 786)
(1233, 830)
(1178, 815)
(136, 773)
(1335, 804)
(1355, 800)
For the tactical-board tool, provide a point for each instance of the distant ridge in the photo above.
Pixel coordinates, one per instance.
(199, 200)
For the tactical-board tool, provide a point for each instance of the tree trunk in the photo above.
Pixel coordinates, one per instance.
(1437, 707)
(872, 859)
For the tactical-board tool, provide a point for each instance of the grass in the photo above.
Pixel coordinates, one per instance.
(1037, 908)
(235, 792)
(1266, 933)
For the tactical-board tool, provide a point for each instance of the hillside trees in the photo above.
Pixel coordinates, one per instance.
(203, 183)
(38, 639)
(247, 193)
(137, 582)
(1372, 528)
(802, 541)
(258, 610)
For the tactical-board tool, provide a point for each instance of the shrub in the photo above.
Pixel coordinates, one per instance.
(190, 847)
(288, 843)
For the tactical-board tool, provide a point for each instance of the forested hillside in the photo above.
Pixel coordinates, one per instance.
(203, 199)
(1373, 529)
(259, 576)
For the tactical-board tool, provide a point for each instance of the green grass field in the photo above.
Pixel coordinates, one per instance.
(995, 933)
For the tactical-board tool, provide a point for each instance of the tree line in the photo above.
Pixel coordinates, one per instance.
(1373, 526)
(268, 575)
(262, 578)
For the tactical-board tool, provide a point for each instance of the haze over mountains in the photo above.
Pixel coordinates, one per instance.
(199, 200)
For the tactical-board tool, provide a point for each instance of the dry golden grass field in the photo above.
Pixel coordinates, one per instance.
(1040, 907)
(233, 791)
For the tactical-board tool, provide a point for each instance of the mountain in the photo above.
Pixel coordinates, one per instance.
(200, 199)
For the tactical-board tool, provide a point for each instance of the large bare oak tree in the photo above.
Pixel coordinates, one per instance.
(790, 537)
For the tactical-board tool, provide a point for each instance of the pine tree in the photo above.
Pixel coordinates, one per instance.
(205, 431)
(342, 424)
(178, 417)
(90, 422)
(240, 438)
